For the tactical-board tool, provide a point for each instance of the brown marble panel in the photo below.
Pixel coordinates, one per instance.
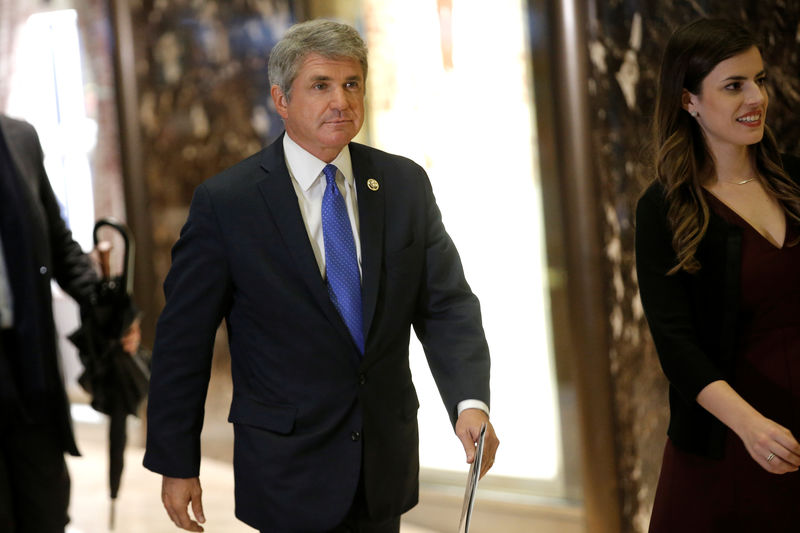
(203, 105)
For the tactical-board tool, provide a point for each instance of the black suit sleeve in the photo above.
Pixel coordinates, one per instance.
(197, 291)
(72, 268)
(448, 319)
(667, 301)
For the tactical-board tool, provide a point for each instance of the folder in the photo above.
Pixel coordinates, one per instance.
(472, 484)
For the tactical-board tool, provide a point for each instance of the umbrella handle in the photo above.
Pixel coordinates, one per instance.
(104, 252)
(130, 248)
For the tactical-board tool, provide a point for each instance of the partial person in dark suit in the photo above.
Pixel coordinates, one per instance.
(35, 424)
(320, 254)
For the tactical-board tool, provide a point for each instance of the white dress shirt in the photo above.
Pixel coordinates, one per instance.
(309, 185)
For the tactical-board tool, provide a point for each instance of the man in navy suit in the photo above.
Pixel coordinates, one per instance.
(324, 409)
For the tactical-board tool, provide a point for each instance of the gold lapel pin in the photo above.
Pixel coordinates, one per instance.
(373, 184)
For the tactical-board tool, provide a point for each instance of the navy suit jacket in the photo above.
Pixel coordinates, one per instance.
(309, 412)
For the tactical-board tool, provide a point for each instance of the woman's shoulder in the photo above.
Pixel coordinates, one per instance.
(651, 210)
(654, 195)
(791, 164)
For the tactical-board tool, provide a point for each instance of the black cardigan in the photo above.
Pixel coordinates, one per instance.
(693, 317)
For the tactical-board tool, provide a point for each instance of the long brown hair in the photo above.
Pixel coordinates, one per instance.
(683, 160)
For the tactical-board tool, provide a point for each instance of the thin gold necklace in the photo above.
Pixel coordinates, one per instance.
(742, 182)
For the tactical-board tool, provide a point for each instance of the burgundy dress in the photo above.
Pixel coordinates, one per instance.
(734, 494)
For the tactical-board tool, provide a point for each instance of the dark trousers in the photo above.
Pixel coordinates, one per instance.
(34, 483)
(357, 520)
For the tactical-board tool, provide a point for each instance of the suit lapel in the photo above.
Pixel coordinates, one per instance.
(280, 196)
(371, 220)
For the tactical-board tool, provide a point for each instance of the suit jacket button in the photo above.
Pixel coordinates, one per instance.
(362, 378)
(43, 270)
(356, 436)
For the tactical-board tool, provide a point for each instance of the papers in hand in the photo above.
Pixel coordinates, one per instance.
(472, 484)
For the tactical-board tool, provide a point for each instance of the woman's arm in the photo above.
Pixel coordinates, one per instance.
(667, 302)
(761, 436)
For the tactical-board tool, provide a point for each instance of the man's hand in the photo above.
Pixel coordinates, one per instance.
(468, 430)
(176, 494)
(132, 337)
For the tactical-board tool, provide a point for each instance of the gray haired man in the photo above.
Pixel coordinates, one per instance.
(320, 254)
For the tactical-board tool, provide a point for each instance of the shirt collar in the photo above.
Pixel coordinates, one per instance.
(306, 168)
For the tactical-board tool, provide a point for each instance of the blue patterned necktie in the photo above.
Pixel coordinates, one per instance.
(341, 261)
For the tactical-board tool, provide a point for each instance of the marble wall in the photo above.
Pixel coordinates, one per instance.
(626, 39)
(203, 105)
(203, 95)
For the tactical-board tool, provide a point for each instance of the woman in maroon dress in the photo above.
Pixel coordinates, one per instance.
(718, 264)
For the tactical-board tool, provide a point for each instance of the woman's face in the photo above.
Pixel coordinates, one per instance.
(732, 104)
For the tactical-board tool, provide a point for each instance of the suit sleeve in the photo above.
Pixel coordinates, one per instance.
(667, 304)
(197, 291)
(448, 319)
(72, 268)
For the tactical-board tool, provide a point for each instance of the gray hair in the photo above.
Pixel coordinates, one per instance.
(324, 37)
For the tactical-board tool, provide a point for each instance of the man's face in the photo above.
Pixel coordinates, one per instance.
(326, 109)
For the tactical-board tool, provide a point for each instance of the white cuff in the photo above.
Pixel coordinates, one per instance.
(472, 404)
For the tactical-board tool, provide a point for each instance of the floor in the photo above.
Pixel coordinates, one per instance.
(138, 508)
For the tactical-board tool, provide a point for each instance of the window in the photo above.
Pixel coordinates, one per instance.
(47, 90)
(457, 98)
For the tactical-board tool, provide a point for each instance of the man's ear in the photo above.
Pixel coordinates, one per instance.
(280, 101)
(688, 101)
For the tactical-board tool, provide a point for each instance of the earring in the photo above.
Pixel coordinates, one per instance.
(693, 113)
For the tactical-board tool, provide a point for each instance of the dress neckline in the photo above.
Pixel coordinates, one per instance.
(746, 224)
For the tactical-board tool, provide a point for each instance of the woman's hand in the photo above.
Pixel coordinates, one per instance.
(770, 445)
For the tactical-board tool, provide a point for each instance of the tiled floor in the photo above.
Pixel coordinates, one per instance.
(138, 507)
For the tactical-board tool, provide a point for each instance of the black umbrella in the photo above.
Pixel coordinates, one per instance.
(116, 380)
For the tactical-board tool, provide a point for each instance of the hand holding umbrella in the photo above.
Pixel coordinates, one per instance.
(116, 368)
